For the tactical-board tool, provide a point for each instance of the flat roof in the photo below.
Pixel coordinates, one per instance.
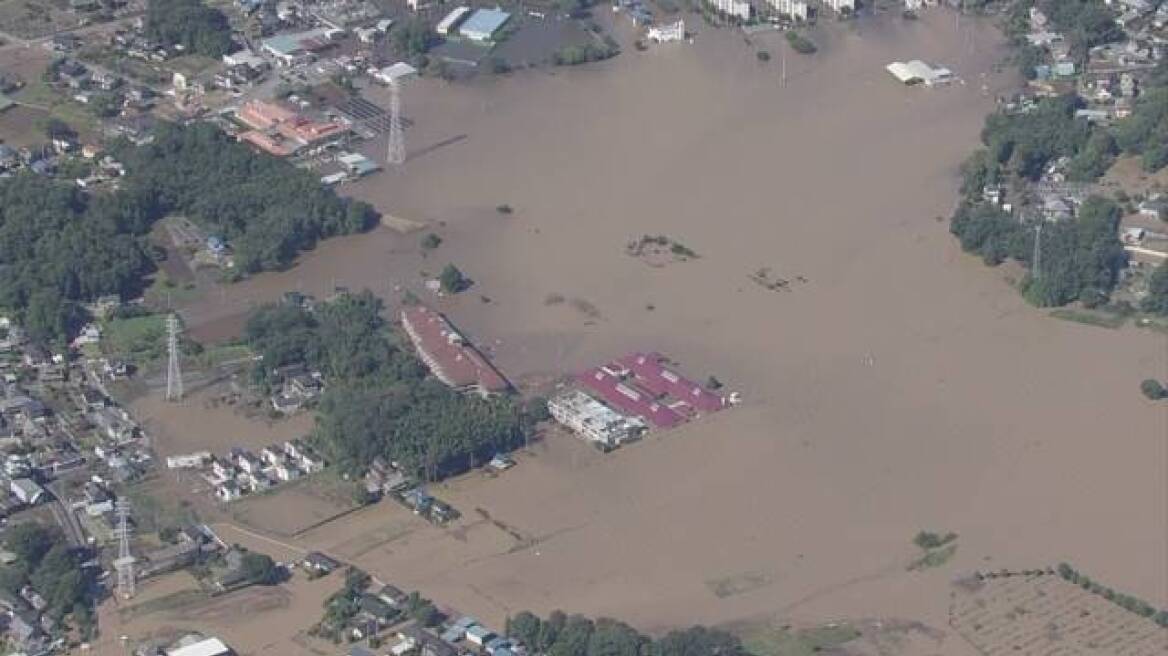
(484, 23)
(451, 19)
(208, 647)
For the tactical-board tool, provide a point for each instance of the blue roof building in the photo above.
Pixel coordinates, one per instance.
(483, 24)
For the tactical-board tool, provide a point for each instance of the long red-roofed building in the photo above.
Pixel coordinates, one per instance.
(641, 384)
(450, 356)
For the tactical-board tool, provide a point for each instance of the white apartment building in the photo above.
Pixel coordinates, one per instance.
(593, 420)
(735, 8)
(841, 6)
(794, 9)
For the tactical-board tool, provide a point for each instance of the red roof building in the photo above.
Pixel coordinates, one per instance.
(451, 358)
(280, 130)
(629, 398)
(650, 371)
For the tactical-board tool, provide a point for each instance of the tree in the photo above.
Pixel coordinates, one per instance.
(1153, 389)
(30, 541)
(260, 569)
(452, 280)
(1156, 301)
(422, 610)
(525, 627)
(414, 37)
(199, 29)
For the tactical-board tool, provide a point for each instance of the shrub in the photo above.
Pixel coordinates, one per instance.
(1153, 389)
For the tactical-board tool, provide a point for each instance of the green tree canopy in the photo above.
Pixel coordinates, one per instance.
(198, 28)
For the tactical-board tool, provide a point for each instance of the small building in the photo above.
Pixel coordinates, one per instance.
(298, 48)
(358, 165)
(396, 73)
(483, 24)
(451, 20)
(315, 561)
(667, 33)
(918, 72)
(208, 647)
(228, 491)
(28, 491)
(479, 635)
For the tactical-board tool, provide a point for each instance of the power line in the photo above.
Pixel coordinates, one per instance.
(125, 561)
(397, 133)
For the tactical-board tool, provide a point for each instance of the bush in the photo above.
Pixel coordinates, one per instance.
(1153, 389)
(800, 43)
(763, 56)
(452, 281)
(930, 540)
(431, 241)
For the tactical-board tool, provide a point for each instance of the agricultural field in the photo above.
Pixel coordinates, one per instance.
(1040, 613)
(29, 19)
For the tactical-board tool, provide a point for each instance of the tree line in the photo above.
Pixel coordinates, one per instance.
(1125, 601)
(576, 635)
(379, 399)
(265, 207)
(199, 29)
(60, 247)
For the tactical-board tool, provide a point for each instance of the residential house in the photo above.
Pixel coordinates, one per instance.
(315, 561)
(27, 491)
(228, 491)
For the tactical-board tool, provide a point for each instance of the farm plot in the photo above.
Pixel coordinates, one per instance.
(1040, 613)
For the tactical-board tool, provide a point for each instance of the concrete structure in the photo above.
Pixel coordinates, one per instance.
(734, 8)
(483, 24)
(794, 9)
(451, 20)
(450, 356)
(208, 647)
(918, 72)
(667, 33)
(593, 420)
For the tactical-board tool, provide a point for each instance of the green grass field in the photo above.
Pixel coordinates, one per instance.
(780, 641)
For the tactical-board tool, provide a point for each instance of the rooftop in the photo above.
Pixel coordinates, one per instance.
(483, 23)
(451, 358)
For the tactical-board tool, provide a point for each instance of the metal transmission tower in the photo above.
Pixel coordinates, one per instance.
(125, 561)
(174, 386)
(397, 133)
(1037, 258)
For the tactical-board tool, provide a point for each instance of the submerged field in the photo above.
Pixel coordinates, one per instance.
(893, 384)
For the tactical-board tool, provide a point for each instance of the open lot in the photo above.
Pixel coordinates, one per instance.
(902, 386)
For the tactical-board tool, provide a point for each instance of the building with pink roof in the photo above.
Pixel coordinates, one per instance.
(650, 371)
(629, 399)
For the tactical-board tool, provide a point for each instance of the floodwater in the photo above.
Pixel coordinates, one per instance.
(898, 385)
